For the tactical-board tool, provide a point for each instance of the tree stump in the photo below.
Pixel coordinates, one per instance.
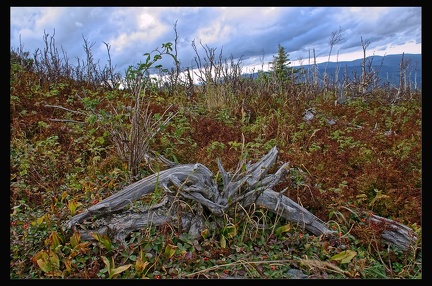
(190, 192)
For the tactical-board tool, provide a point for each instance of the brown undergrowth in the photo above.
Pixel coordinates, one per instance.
(367, 159)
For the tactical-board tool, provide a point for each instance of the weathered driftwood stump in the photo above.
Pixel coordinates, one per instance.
(190, 188)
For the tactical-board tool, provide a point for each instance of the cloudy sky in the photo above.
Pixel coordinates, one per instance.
(252, 33)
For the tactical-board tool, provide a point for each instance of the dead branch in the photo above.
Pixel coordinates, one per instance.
(190, 188)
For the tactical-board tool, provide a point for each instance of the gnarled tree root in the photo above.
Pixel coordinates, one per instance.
(193, 184)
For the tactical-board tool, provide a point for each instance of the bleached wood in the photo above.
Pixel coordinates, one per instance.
(191, 188)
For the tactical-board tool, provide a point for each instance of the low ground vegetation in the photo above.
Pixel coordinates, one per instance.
(347, 160)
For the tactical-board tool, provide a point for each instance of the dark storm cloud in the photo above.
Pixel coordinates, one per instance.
(247, 32)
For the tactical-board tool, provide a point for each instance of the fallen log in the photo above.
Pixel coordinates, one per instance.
(393, 232)
(193, 184)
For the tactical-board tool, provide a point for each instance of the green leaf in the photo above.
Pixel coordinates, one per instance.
(119, 270)
(105, 240)
(282, 229)
(223, 241)
(231, 231)
(43, 265)
(72, 206)
(54, 259)
(140, 265)
(344, 256)
(56, 239)
(107, 262)
(75, 239)
(204, 233)
(170, 250)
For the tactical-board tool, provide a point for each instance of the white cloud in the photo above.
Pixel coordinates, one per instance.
(146, 21)
(369, 14)
(143, 26)
(49, 16)
(217, 33)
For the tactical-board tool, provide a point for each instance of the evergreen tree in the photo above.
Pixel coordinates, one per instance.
(280, 66)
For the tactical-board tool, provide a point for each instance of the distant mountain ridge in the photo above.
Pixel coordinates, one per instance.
(388, 68)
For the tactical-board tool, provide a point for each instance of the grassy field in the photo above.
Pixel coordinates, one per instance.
(360, 157)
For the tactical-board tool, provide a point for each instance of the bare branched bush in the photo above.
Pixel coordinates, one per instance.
(336, 37)
(51, 67)
(132, 144)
